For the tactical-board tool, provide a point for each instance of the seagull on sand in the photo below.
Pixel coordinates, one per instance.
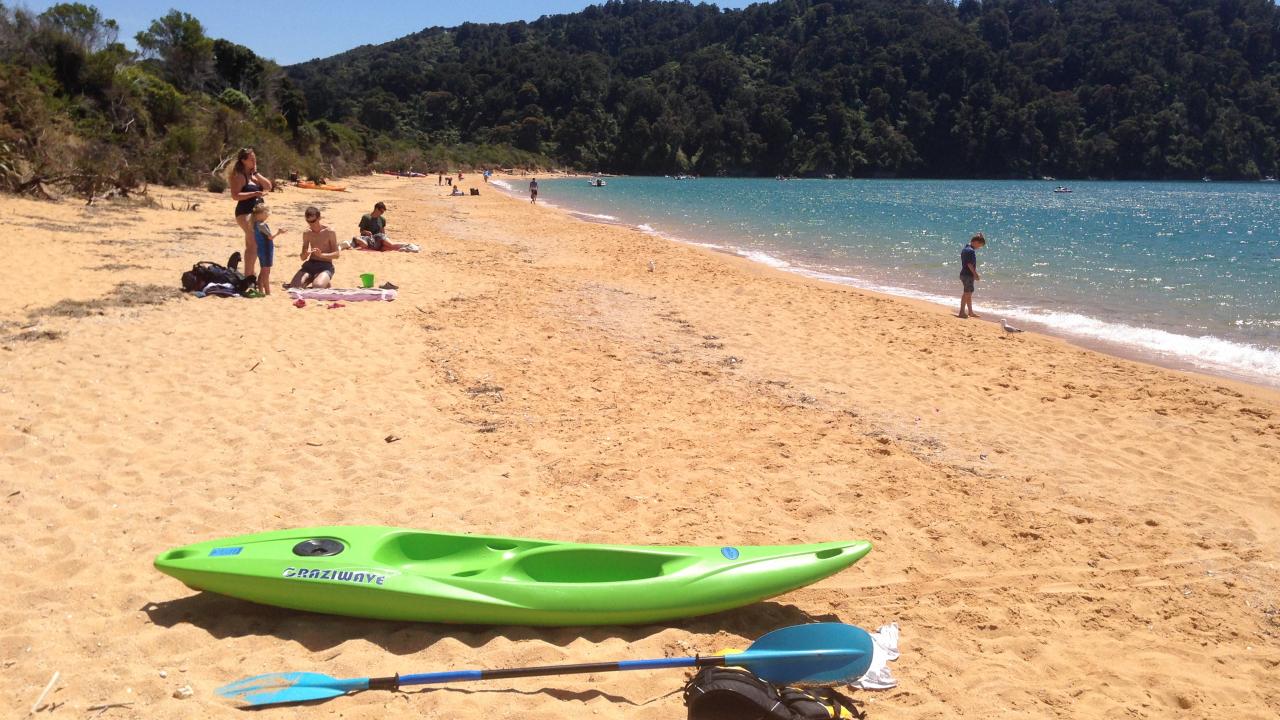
(1009, 328)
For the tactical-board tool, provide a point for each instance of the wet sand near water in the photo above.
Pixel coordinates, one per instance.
(1059, 533)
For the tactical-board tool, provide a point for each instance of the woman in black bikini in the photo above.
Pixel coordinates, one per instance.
(252, 187)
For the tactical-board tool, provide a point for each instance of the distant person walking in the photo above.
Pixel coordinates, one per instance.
(533, 190)
(969, 273)
(247, 188)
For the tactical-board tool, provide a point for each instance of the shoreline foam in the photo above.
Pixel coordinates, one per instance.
(1208, 355)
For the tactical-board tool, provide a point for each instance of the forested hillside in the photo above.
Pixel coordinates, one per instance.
(1001, 88)
(81, 111)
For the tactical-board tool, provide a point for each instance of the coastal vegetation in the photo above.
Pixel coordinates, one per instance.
(903, 88)
(993, 88)
(81, 111)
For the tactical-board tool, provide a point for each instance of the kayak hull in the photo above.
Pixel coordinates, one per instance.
(396, 574)
(330, 188)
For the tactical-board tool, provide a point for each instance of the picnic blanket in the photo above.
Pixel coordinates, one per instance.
(345, 294)
(411, 247)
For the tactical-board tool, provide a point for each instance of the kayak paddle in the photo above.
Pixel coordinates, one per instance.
(823, 653)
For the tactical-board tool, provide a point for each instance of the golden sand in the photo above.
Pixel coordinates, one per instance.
(1058, 532)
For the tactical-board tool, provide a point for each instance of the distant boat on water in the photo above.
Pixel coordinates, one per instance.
(1205, 179)
(598, 182)
(1269, 178)
(1062, 189)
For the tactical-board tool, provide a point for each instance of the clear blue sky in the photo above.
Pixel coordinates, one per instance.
(290, 31)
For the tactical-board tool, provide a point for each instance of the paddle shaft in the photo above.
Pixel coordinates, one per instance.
(817, 653)
(745, 659)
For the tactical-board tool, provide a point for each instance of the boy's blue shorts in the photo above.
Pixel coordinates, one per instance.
(266, 250)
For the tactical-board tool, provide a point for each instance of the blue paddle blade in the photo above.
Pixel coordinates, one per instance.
(290, 687)
(817, 653)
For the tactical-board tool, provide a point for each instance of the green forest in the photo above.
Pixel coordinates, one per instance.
(1001, 88)
(1129, 89)
(81, 111)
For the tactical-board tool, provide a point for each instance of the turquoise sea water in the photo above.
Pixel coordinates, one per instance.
(1179, 273)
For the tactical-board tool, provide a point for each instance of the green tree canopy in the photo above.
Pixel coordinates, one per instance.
(982, 88)
(179, 42)
(82, 24)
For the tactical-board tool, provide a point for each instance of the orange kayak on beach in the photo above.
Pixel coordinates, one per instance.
(312, 186)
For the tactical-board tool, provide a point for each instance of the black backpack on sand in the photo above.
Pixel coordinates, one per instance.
(721, 693)
(205, 272)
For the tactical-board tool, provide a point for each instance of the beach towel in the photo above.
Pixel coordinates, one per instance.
(345, 294)
(411, 247)
(218, 290)
(878, 676)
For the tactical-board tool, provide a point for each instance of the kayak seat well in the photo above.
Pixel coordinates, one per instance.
(594, 565)
(439, 555)
(502, 559)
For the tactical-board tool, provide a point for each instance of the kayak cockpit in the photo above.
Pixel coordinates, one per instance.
(460, 556)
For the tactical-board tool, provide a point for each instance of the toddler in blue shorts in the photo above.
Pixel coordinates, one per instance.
(266, 246)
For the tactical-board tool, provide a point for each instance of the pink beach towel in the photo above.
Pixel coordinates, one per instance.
(345, 294)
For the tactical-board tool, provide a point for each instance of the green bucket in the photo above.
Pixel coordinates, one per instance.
(367, 280)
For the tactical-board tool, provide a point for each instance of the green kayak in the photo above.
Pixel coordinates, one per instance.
(395, 574)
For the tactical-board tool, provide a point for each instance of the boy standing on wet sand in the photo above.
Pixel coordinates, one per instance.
(969, 273)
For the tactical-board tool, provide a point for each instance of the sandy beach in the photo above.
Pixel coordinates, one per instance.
(1058, 532)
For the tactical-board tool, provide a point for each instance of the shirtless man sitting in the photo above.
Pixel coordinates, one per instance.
(319, 250)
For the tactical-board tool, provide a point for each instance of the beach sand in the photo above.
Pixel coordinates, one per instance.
(1059, 533)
